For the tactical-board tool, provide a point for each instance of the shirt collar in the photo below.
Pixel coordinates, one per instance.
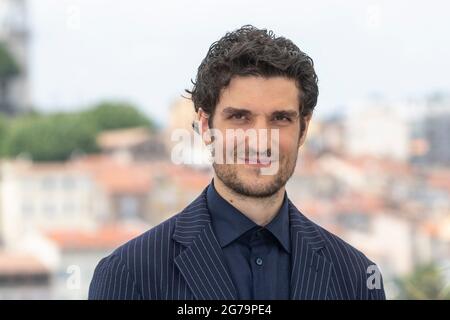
(229, 223)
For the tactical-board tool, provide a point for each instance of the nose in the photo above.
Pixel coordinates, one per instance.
(263, 138)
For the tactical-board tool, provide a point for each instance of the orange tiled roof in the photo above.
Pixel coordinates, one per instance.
(383, 164)
(16, 263)
(106, 237)
(440, 179)
(184, 176)
(360, 202)
(123, 138)
(115, 176)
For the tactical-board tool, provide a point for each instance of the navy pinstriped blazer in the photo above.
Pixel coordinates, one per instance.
(182, 259)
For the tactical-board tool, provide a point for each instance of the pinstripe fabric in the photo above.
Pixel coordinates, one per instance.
(182, 259)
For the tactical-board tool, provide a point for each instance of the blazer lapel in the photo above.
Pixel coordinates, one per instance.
(310, 271)
(202, 263)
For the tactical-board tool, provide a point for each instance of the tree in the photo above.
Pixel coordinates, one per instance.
(3, 132)
(8, 70)
(425, 282)
(116, 115)
(52, 137)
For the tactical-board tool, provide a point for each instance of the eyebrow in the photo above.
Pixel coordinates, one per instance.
(286, 113)
(233, 110)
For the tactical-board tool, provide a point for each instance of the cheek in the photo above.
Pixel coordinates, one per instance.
(288, 143)
(286, 149)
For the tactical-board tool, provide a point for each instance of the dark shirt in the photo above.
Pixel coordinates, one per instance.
(258, 258)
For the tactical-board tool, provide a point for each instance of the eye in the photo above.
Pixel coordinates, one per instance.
(282, 118)
(238, 116)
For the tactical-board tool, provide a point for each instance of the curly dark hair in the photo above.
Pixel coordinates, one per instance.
(258, 52)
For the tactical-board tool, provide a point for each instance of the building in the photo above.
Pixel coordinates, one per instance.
(80, 194)
(58, 219)
(136, 144)
(376, 128)
(184, 145)
(436, 126)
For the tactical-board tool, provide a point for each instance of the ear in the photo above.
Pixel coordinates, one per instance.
(304, 128)
(202, 119)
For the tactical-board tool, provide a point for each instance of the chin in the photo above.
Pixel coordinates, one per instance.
(248, 180)
(256, 183)
(252, 174)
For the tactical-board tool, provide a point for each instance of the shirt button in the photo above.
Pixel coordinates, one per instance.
(259, 261)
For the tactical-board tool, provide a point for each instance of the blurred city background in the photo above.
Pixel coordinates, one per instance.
(90, 92)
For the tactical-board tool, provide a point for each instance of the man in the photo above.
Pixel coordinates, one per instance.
(242, 238)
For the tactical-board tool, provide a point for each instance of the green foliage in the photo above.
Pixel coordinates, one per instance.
(3, 131)
(53, 137)
(110, 115)
(8, 66)
(425, 282)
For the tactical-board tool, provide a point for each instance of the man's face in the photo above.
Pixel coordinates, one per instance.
(253, 102)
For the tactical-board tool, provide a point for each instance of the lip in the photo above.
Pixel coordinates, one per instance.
(257, 162)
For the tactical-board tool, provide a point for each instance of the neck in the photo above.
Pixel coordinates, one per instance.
(260, 210)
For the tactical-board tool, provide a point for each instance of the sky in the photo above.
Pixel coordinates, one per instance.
(146, 52)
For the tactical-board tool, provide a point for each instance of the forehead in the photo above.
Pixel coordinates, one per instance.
(259, 94)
